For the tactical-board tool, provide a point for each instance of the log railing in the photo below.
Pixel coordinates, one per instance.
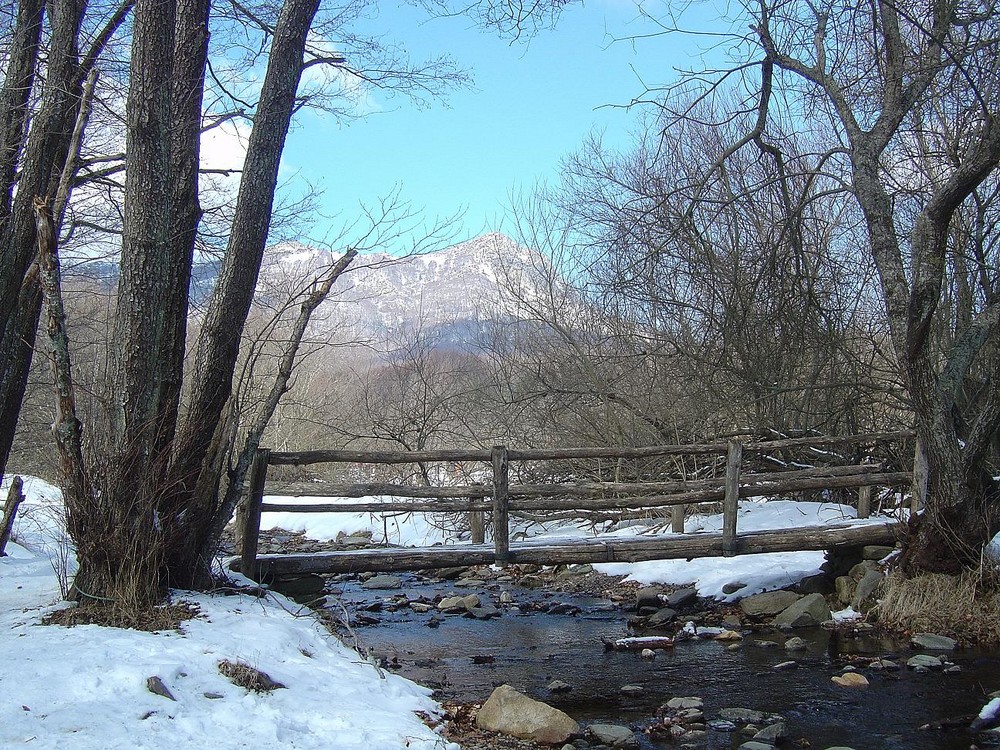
(501, 497)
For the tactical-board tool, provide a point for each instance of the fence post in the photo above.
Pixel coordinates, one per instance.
(730, 505)
(501, 528)
(477, 526)
(14, 498)
(864, 501)
(251, 514)
(677, 518)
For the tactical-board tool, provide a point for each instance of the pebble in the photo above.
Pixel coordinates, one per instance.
(558, 686)
(785, 666)
(631, 690)
(648, 653)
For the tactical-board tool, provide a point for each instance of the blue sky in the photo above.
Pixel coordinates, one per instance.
(531, 104)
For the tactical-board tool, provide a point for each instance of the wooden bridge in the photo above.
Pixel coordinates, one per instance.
(584, 499)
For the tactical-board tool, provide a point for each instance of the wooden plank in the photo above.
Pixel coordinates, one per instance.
(15, 496)
(251, 527)
(580, 551)
(731, 501)
(501, 503)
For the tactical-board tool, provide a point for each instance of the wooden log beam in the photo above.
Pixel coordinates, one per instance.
(731, 500)
(251, 515)
(580, 551)
(301, 458)
(714, 494)
(316, 489)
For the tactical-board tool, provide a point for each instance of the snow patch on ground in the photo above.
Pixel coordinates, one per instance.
(85, 687)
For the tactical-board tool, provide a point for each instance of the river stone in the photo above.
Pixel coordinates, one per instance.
(768, 603)
(773, 733)
(732, 587)
(755, 745)
(678, 704)
(933, 642)
(808, 611)
(510, 712)
(850, 680)
(925, 661)
(720, 725)
(680, 597)
(785, 666)
(455, 603)
(662, 616)
(860, 570)
(743, 715)
(867, 586)
(531, 582)
(796, 644)
(648, 653)
(558, 686)
(820, 583)
(382, 582)
(484, 612)
(631, 690)
(420, 608)
(613, 734)
(450, 574)
(506, 597)
(648, 597)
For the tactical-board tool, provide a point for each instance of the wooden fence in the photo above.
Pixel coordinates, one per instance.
(500, 498)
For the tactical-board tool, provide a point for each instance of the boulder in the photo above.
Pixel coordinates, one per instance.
(613, 735)
(484, 612)
(680, 597)
(865, 591)
(876, 552)
(932, 642)
(662, 616)
(648, 598)
(510, 712)
(808, 611)
(820, 583)
(845, 587)
(768, 603)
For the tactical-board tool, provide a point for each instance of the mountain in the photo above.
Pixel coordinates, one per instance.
(443, 295)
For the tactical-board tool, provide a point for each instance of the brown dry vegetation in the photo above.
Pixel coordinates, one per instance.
(148, 619)
(965, 606)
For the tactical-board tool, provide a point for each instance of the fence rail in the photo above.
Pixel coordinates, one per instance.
(500, 498)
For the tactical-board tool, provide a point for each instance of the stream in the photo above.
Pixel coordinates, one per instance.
(463, 659)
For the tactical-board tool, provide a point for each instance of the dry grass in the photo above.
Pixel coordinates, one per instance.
(966, 606)
(247, 677)
(149, 619)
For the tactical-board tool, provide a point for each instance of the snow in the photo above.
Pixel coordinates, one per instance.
(85, 687)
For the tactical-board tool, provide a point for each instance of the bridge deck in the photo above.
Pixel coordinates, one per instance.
(552, 552)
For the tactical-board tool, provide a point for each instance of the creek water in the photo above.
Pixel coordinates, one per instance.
(464, 659)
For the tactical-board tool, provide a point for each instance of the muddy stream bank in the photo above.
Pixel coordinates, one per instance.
(539, 636)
